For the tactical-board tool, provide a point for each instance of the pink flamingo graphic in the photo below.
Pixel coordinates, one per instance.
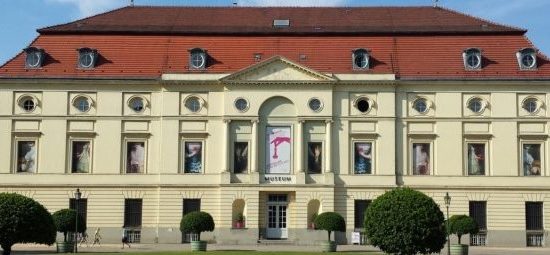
(277, 141)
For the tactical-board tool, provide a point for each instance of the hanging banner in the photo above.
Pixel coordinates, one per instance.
(278, 147)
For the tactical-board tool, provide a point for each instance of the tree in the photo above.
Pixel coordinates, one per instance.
(197, 222)
(406, 222)
(23, 220)
(330, 221)
(461, 225)
(65, 222)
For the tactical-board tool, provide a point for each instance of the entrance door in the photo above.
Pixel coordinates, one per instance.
(190, 205)
(277, 217)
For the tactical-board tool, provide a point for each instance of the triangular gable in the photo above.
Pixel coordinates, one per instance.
(279, 70)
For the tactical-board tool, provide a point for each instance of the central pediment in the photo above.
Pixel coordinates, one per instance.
(277, 70)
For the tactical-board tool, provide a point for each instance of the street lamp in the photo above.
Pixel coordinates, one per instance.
(77, 196)
(447, 204)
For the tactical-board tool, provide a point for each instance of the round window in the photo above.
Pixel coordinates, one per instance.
(137, 104)
(475, 105)
(531, 105)
(473, 60)
(86, 59)
(315, 104)
(82, 104)
(28, 104)
(197, 60)
(193, 104)
(421, 105)
(33, 59)
(528, 60)
(241, 104)
(363, 105)
(361, 60)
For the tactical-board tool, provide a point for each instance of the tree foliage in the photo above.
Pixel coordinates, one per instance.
(404, 221)
(23, 220)
(197, 222)
(65, 222)
(461, 225)
(330, 221)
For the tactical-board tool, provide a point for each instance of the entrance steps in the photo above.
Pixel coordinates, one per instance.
(275, 242)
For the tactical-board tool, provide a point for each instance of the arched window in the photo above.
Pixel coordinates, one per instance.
(472, 59)
(361, 59)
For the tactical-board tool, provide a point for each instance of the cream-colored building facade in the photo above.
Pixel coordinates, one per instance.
(265, 127)
(277, 92)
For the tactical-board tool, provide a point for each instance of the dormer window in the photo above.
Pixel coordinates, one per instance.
(361, 59)
(472, 59)
(87, 58)
(527, 59)
(34, 58)
(197, 58)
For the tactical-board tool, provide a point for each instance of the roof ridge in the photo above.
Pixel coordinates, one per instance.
(481, 19)
(83, 19)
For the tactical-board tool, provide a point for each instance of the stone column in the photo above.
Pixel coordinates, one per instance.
(254, 147)
(226, 144)
(328, 145)
(300, 146)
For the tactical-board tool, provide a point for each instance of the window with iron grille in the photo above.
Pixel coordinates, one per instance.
(534, 223)
(478, 211)
(132, 213)
(82, 207)
(360, 208)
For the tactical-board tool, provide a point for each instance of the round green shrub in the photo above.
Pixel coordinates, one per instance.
(197, 222)
(404, 221)
(23, 220)
(330, 221)
(65, 222)
(461, 225)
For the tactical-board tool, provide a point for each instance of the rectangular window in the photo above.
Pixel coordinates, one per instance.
(421, 160)
(314, 157)
(477, 158)
(240, 158)
(81, 156)
(478, 211)
(193, 160)
(82, 207)
(27, 153)
(531, 158)
(132, 213)
(136, 152)
(362, 160)
(534, 223)
(360, 208)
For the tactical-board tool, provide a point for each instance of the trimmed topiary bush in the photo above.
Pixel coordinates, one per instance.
(404, 221)
(330, 221)
(65, 222)
(23, 220)
(197, 222)
(461, 225)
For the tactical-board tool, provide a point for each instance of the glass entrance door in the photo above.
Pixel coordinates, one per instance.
(277, 217)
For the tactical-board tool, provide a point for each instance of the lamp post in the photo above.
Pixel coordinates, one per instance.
(77, 196)
(447, 204)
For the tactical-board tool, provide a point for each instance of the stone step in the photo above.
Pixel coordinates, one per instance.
(275, 242)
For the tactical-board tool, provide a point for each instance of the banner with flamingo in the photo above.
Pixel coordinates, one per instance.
(279, 144)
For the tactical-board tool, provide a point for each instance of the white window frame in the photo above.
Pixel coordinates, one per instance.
(373, 156)
(15, 149)
(199, 99)
(233, 156)
(70, 154)
(369, 100)
(182, 154)
(411, 156)
(125, 153)
(483, 102)
(542, 156)
(487, 156)
(323, 155)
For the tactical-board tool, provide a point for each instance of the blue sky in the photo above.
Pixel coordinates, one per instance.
(19, 19)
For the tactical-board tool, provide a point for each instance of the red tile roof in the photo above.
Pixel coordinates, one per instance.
(259, 20)
(419, 55)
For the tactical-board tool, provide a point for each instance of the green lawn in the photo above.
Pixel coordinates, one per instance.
(235, 253)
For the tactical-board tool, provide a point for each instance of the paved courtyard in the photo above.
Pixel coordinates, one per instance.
(116, 248)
